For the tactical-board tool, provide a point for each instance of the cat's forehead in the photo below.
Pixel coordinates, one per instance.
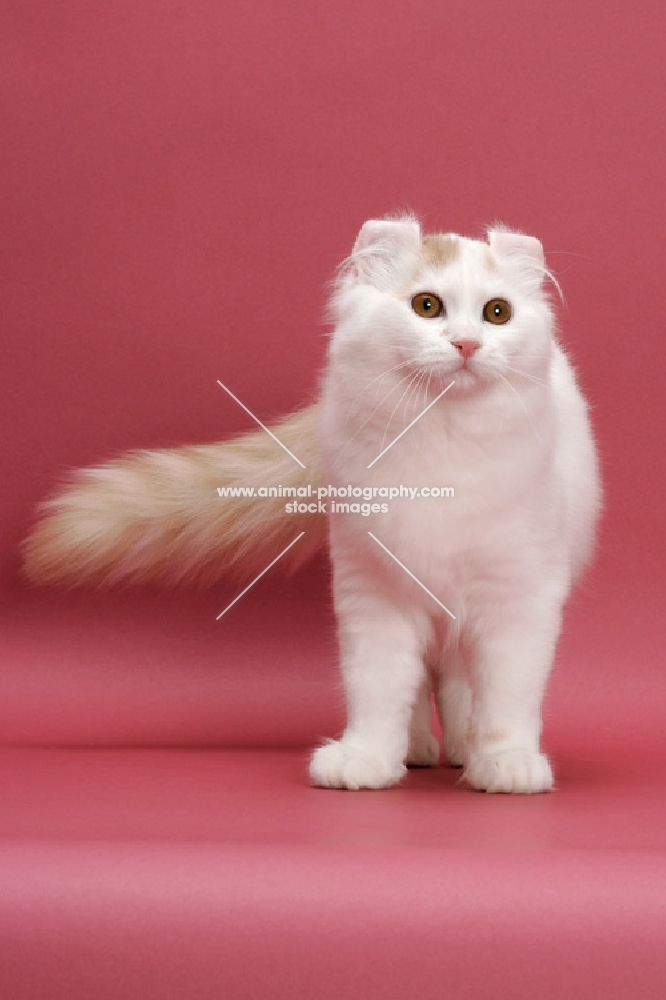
(439, 251)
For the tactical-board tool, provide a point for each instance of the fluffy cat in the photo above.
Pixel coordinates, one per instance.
(460, 597)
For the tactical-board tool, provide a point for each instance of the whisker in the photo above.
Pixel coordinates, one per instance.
(373, 411)
(532, 378)
(414, 376)
(416, 395)
(365, 388)
(382, 401)
(424, 381)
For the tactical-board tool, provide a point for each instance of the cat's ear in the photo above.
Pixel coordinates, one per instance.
(524, 254)
(384, 248)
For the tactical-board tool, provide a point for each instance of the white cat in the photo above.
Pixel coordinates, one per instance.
(461, 596)
(512, 437)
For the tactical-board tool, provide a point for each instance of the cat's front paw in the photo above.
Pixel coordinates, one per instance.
(520, 771)
(342, 764)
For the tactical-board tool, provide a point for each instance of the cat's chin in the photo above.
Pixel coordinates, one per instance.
(463, 380)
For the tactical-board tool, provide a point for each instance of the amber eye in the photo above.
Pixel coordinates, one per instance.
(497, 311)
(428, 305)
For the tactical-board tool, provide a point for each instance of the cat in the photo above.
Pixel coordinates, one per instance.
(443, 369)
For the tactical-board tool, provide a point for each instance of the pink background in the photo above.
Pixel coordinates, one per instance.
(179, 185)
(179, 182)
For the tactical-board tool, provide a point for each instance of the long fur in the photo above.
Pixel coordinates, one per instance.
(157, 514)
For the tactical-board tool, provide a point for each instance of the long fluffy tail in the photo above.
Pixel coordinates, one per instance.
(158, 514)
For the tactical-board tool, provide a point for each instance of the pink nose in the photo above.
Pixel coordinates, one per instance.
(466, 347)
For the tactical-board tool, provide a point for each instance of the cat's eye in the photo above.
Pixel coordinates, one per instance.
(428, 305)
(497, 311)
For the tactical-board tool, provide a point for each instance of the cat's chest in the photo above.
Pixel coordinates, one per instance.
(454, 500)
(484, 464)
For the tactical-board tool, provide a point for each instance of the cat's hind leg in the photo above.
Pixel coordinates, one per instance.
(453, 695)
(424, 746)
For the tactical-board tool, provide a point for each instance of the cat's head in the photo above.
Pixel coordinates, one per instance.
(470, 310)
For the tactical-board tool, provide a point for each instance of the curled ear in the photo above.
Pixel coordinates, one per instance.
(384, 248)
(524, 254)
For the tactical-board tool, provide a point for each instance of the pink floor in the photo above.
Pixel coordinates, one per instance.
(140, 862)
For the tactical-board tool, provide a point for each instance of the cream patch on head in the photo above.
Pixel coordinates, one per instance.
(490, 262)
(438, 249)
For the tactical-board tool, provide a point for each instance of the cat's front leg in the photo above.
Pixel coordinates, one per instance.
(382, 671)
(511, 661)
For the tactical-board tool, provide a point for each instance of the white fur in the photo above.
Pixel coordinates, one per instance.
(512, 437)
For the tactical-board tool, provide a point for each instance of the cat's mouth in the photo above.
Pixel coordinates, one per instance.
(468, 374)
(467, 369)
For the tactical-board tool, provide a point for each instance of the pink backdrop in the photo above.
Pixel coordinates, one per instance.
(179, 183)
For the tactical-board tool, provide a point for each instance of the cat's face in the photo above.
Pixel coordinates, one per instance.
(457, 309)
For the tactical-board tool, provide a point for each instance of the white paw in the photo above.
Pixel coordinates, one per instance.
(521, 771)
(423, 750)
(341, 764)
